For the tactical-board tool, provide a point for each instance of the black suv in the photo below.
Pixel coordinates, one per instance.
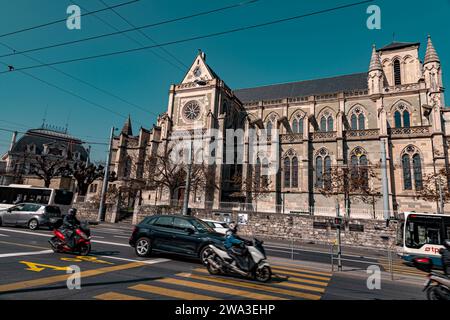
(181, 235)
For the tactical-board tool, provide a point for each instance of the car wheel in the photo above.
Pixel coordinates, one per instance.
(33, 224)
(205, 253)
(263, 274)
(143, 247)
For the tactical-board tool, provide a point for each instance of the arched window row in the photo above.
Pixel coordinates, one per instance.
(297, 125)
(412, 169)
(358, 119)
(359, 168)
(323, 169)
(327, 122)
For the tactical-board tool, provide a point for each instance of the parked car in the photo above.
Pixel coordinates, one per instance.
(180, 235)
(31, 215)
(219, 226)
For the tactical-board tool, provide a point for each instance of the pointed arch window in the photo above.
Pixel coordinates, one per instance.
(412, 168)
(327, 173)
(269, 128)
(354, 122)
(357, 119)
(359, 168)
(326, 122)
(323, 169)
(264, 173)
(319, 172)
(397, 73)
(361, 122)
(417, 170)
(258, 173)
(406, 172)
(402, 117)
(295, 126)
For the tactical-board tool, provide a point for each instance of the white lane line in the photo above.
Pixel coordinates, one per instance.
(134, 260)
(98, 237)
(47, 235)
(3, 235)
(19, 254)
(122, 237)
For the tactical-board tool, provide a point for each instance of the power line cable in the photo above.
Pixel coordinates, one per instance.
(65, 19)
(194, 38)
(133, 29)
(148, 37)
(84, 82)
(132, 39)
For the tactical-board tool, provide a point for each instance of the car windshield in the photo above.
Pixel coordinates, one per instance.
(201, 226)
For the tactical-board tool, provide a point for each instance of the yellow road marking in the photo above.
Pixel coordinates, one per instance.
(116, 296)
(23, 245)
(38, 267)
(171, 293)
(208, 287)
(62, 278)
(328, 274)
(294, 279)
(301, 275)
(266, 288)
(300, 286)
(86, 258)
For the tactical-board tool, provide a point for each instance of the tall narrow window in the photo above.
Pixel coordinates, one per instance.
(319, 172)
(406, 119)
(397, 73)
(300, 126)
(323, 124)
(361, 122)
(330, 124)
(327, 178)
(287, 172)
(417, 168)
(354, 167)
(264, 176)
(354, 122)
(363, 170)
(398, 119)
(269, 128)
(295, 126)
(294, 172)
(406, 172)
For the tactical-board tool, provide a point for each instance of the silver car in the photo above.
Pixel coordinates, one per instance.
(31, 215)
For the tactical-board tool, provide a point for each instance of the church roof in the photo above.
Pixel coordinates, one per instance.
(127, 127)
(357, 81)
(398, 45)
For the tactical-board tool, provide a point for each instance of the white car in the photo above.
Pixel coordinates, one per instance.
(219, 226)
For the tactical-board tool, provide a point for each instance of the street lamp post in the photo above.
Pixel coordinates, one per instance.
(101, 209)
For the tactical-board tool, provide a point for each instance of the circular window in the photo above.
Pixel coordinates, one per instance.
(191, 110)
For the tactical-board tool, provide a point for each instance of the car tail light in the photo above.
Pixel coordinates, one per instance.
(423, 260)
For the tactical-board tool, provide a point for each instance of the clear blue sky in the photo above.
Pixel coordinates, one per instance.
(326, 45)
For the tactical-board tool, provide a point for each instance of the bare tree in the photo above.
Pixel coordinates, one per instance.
(85, 174)
(350, 182)
(48, 167)
(256, 187)
(435, 187)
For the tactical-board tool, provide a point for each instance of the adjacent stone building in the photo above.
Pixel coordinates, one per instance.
(321, 123)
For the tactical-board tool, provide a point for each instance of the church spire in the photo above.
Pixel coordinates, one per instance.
(431, 54)
(375, 63)
(127, 127)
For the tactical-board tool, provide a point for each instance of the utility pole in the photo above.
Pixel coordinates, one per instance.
(101, 209)
(338, 228)
(188, 182)
(384, 177)
(441, 197)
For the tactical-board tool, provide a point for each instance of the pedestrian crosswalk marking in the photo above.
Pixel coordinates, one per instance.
(116, 296)
(208, 287)
(171, 293)
(248, 285)
(302, 270)
(302, 275)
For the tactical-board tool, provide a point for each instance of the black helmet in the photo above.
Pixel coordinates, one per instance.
(72, 212)
(447, 244)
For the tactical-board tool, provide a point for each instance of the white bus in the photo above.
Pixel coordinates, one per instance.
(14, 194)
(422, 235)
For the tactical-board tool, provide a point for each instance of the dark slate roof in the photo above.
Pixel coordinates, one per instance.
(398, 45)
(39, 137)
(357, 81)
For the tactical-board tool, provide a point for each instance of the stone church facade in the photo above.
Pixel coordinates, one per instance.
(319, 123)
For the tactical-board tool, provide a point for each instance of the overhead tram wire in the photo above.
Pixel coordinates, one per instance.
(83, 81)
(130, 38)
(134, 29)
(147, 37)
(221, 33)
(65, 19)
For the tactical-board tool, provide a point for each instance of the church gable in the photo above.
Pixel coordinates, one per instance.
(199, 71)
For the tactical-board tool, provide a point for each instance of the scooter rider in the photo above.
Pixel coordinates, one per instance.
(446, 257)
(235, 246)
(70, 223)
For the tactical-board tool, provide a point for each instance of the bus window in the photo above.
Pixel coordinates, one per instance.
(421, 231)
(400, 231)
(447, 227)
(63, 197)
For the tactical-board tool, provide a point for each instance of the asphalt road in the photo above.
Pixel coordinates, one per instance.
(30, 270)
